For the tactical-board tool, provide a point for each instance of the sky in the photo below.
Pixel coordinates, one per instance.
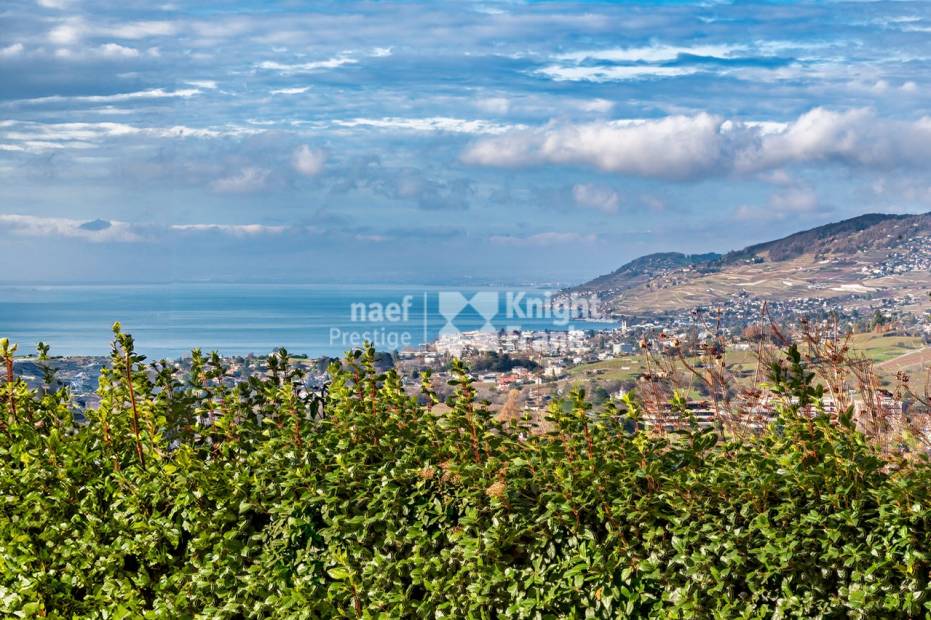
(486, 142)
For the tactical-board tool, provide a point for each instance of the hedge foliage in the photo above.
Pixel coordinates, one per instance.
(200, 499)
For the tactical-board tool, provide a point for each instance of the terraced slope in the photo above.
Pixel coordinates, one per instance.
(874, 255)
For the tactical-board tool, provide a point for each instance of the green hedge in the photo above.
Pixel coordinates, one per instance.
(370, 504)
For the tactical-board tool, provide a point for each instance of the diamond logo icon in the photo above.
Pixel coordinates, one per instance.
(452, 303)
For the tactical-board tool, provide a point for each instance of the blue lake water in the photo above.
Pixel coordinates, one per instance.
(167, 320)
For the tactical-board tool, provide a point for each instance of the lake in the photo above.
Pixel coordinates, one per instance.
(167, 320)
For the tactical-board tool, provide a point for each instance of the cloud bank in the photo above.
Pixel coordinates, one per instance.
(689, 148)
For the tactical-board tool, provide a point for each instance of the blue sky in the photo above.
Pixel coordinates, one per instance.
(432, 142)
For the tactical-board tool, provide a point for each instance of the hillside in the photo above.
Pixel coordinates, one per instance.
(844, 237)
(870, 256)
(642, 269)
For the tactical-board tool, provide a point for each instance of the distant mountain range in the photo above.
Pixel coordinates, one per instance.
(860, 258)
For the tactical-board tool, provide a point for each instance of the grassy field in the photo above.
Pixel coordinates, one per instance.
(881, 348)
(630, 366)
(909, 362)
(626, 368)
(910, 351)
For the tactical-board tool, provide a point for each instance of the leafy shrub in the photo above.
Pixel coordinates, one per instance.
(492, 361)
(192, 498)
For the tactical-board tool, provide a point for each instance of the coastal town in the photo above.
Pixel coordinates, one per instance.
(530, 368)
(867, 277)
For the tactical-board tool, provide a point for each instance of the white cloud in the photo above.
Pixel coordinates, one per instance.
(590, 196)
(249, 179)
(653, 53)
(543, 239)
(100, 230)
(307, 67)
(115, 50)
(11, 50)
(35, 136)
(436, 123)
(916, 29)
(612, 73)
(237, 230)
(182, 131)
(297, 90)
(854, 138)
(152, 93)
(675, 147)
(39, 136)
(205, 84)
(308, 161)
(73, 29)
(67, 33)
(97, 230)
(822, 73)
(701, 146)
(577, 66)
(334, 62)
(54, 4)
